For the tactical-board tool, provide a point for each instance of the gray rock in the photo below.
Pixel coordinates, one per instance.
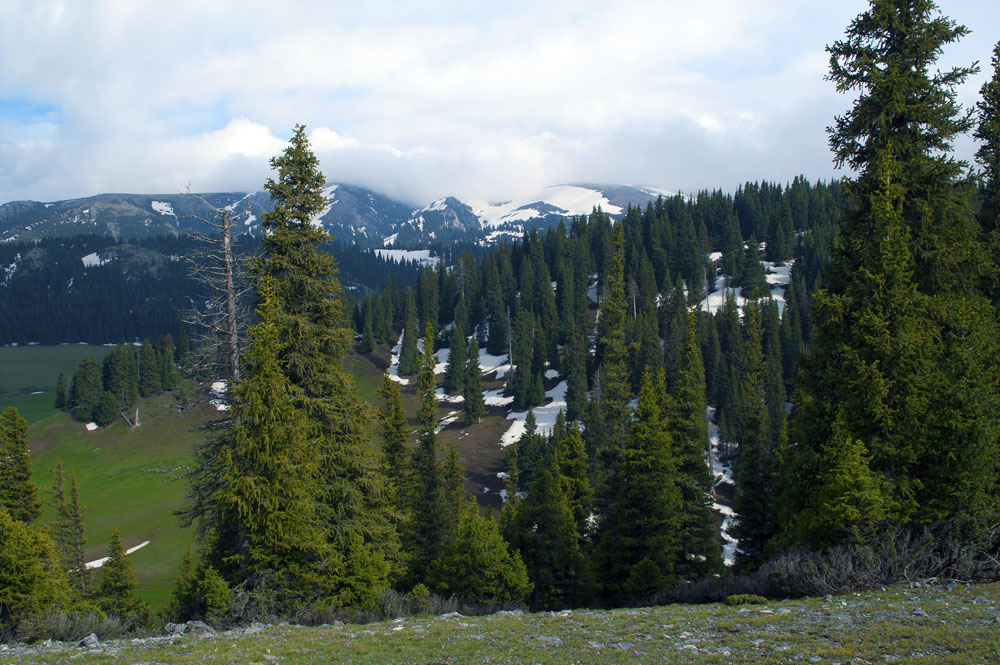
(199, 628)
(174, 629)
(920, 612)
(89, 642)
(509, 613)
(827, 598)
(450, 616)
(255, 627)
(547, 639)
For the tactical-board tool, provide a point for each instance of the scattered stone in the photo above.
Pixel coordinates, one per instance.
(920, 612)
(827, 598)
(688, 647)
(89, 642)
(174, 629)
(451, 616)
(198, 628)
(255, 627)
(547, 639)
(509, 613)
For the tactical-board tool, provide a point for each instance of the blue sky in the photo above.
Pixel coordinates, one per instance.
(426, 99)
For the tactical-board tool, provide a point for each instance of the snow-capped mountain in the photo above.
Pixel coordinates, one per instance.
(354, 215)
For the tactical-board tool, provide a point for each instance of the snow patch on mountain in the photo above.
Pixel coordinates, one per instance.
(561, 200)
(421, 256)
(94, 260)
(162, 207)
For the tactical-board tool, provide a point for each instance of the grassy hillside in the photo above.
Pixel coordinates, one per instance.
(132, 478)
(28, 375)
(913, 626)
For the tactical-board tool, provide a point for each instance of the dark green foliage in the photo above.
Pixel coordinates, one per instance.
(394, 430)
(897, 399)
(85, 390)
(18, 494)
(115, 594)
(988, 155)
(544, 532)
(150, 370)
(639, 525)
(60, 392)
(454, 370)
(107, 407)
(685, 412)
(121, 376)
(475, 404)
(754, 482)
(573, 471)
(67, 529)
(408, 356)
(476, 564)
(31, 579)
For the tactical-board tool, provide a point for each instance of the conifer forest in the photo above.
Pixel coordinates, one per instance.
(720, 433)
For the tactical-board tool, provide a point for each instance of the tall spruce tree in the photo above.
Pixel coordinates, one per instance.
(60, 402)
(85, 389)
(903, 365)
(685, 408)
(988, 155)
(475, 403)
(18, 494)
(454, 370)
(67, 528)
(116, 592)
(409, 359)
(639, 528)
(32, 583)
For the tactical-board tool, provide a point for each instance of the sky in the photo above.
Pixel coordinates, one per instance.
(485, 101)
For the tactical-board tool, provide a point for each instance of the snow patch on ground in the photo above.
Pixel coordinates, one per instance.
(496, 398)
(100, 562)
(723, 474)
(94, 260)
(420, 256)
(91, 427)
(317, 221)
(218, 390)
(567, 199)
(545, 416)
(394, 363)
(778, 276)
(489, 363)
(389, 241)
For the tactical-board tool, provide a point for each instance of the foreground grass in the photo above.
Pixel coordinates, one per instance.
(902, 625)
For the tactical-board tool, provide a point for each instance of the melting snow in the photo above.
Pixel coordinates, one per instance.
(94, 260)
(101, 562)
(218, 390)
(723, 474)
(567, 199)
(162, 207)
(420, 256)
(545, 416)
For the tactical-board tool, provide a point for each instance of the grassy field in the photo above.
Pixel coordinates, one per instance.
(132, 478)
(914, 626)
(28, 375)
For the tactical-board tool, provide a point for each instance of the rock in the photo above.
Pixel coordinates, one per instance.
(199, 628)
(827, 598)
(509, 613)
(689, 647)
(89, 642)
(549, 639)
(920, 612)
(450, 616)
(174, 629)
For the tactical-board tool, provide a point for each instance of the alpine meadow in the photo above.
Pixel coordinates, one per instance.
(530, 431)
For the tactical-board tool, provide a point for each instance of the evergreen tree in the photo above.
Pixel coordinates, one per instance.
(988, 155)
(265, 534)
(575, 363)
(18, 494)
(753, 473)
(394, 429)
(454, 370)
(573, 471)
(426, 489)
(85, 390)
(685, 411)
(476, 564)
(641, 521)
(67, 529)
(351, 492)
(901, 372)
(32, 582)
(475, 404)
(408, 356)
(60, 403)
(545, 535)
(150, 371)
(116, 592)
(368, 330)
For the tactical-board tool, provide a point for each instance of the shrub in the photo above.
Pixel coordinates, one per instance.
(745, 599)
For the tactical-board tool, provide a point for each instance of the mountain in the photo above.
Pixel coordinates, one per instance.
(354, 215)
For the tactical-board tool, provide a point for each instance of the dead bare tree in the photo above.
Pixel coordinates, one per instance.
(220, 321)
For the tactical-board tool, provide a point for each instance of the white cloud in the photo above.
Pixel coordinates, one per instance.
(423, 100)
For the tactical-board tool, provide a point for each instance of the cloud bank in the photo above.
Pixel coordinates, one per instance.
(422, 100)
